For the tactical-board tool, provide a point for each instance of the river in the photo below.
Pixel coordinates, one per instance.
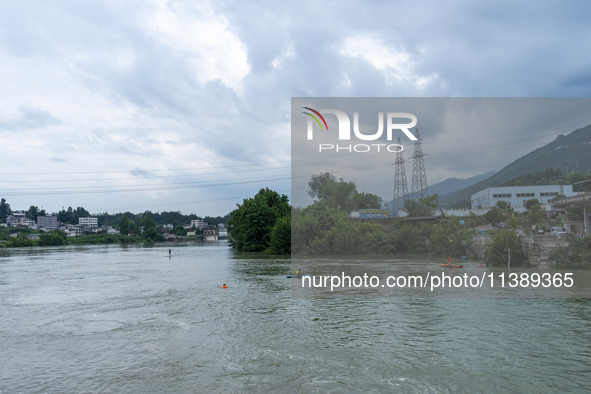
(129, 319)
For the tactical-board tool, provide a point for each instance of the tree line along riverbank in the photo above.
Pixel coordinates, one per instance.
(267, 223)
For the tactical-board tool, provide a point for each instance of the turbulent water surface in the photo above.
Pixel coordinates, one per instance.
(129, 319)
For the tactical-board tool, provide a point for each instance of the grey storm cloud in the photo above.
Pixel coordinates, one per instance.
(165, 85)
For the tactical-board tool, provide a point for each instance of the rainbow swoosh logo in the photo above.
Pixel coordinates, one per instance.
(315, 118)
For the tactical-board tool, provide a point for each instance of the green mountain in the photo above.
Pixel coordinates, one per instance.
(566, 152)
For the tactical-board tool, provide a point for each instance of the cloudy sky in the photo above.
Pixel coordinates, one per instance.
(461, 136)
(171, 105)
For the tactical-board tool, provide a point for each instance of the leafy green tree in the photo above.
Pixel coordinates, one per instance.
(475, 220)
(546, 177)
(493, 216)
(408, 238)
(61, 233)
(534, 211)
(363, 201)
(341, 195)
(252, 222)
(575, 177)
(281, 236)
(326, 216)
(308, 225)
(52, 239)
(151, 235)
(138, 225)
(33, 212)
(124, 226)
(422, 207)
(496, 254)
(532, 204)
(450, 238)
(71, 216)
(320, 229)
(577, 254)
(148, 222)
(336, 194)
(316, 183)
(376, 240)
(346, 237)
(4, 210)
(504, 206)
(17, 242)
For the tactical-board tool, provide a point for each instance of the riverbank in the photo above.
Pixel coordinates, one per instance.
(56, 240)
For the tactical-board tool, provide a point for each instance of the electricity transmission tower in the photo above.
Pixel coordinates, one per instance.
(400, 184)
(419, 187)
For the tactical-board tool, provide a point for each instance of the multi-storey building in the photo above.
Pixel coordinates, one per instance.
(210, 233)
(88, 222)
(47, 222)
(198, 223)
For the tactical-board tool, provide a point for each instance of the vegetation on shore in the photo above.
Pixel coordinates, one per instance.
(71, 216)
(319, 229)
(58, 237)
(496, 253)
(262, 224)
(576, 255)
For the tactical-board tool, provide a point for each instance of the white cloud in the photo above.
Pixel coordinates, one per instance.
(203, 36)
(396, 64)
(279, 60)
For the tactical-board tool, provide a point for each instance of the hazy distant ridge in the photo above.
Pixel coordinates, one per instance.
(451, 185)
(570, 152)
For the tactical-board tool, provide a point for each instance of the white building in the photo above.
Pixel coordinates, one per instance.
(73, 230)
(198, 223)
(518, 195)
(16, 219)
(88, 222)
(211, 233)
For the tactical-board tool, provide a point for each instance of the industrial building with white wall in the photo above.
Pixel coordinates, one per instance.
(518, 195)
(88, 222)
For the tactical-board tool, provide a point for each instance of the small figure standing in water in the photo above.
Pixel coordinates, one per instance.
(169, 253)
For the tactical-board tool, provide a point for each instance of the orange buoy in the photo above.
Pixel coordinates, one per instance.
(224, 286)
